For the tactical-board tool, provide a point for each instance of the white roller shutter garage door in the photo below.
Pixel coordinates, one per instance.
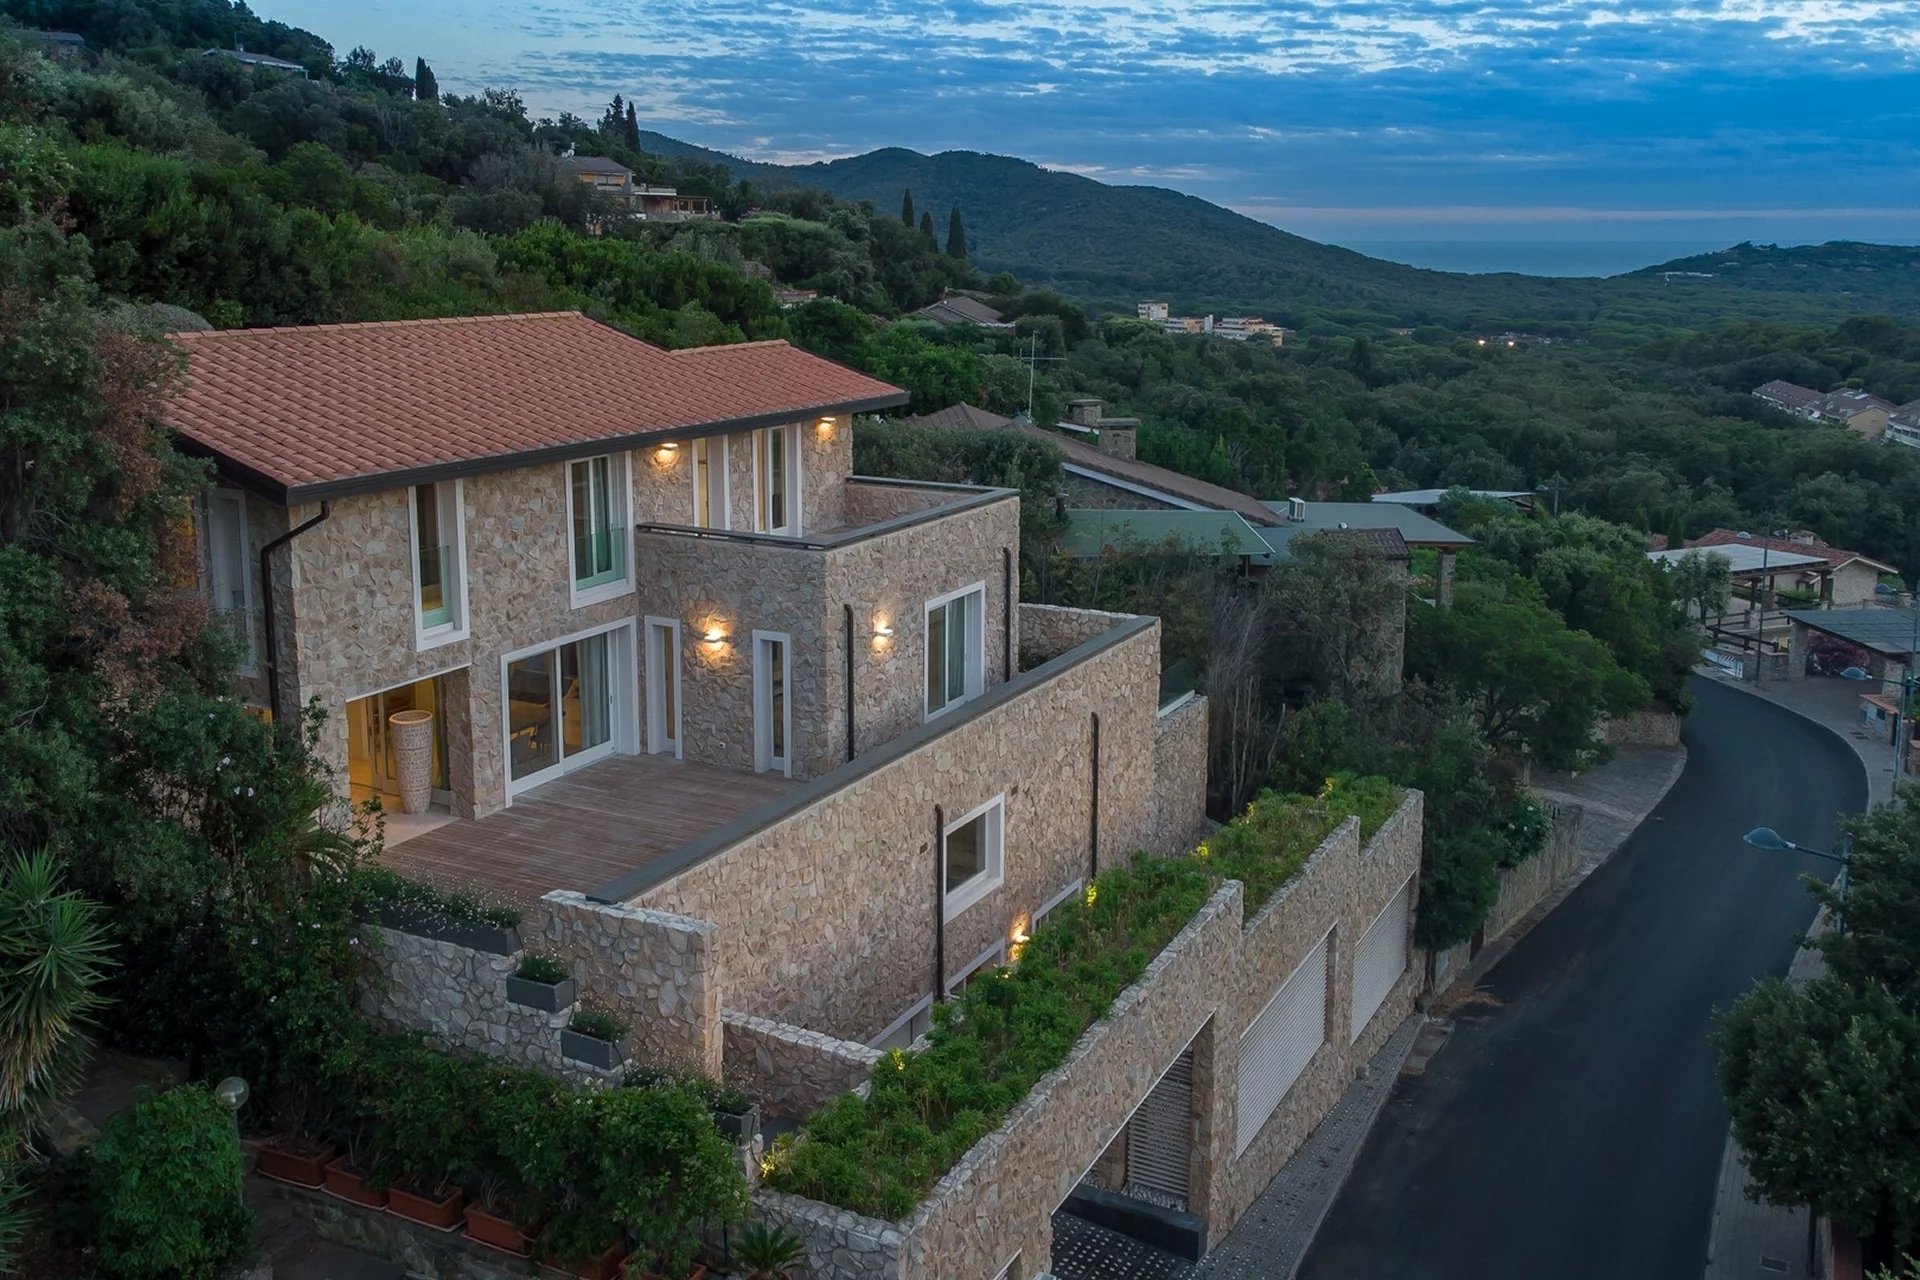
(1281, 1041)
(1380, 958)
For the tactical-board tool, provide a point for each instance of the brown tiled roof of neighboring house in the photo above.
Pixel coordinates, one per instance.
(1806, 545)
(327, 410)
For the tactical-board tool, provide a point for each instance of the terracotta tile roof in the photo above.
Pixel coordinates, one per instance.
(1834, 556)
(333, 409)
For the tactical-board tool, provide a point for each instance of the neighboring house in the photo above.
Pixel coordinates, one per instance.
(259, 61)
(1756, 567)
(1429, 500)
(1903, 425)
(1855, 410)
(1232, 328)
(1842, 579)
(1097, 531)
(606, 176)
(666, 204)
(68, 47)
(1409, 526)
(794, 297)
(958, 309)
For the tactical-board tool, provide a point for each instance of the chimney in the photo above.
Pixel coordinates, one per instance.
(1085, 412)
(1117, 436)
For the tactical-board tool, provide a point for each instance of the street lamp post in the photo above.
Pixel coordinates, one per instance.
(1769, 839)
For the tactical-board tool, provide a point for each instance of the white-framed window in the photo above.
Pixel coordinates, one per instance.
(972, 855)
(226, 565)
(712, 486)
(776, 480)
(566, 704)
(1045, 909)
(438, 520)
(985, 963)
(956, 648)
(772, 702)
(600, 546)
(663, 686)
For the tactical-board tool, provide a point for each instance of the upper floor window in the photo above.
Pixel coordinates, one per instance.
(956, 648)
(972, 856)
(597, 514)
(776, 480)
(227, 582)
(439, 556)
(712, 495)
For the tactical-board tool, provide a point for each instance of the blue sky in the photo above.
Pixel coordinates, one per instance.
(1708, 120)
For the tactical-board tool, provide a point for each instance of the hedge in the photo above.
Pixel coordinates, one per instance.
(989, 1046)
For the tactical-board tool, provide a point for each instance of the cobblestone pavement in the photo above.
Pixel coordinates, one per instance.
(1085, 1251)
(1273, 1236)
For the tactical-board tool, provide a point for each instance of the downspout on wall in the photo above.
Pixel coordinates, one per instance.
(939, 907)
(266, 598)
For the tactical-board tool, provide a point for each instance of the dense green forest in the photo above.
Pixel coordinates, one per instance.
(1881, 277)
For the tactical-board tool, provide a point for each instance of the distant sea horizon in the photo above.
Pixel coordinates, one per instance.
(1534, 257)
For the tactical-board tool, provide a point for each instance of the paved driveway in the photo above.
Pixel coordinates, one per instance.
(1573, 1127)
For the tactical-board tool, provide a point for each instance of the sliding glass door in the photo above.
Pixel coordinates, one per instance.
(562, 707)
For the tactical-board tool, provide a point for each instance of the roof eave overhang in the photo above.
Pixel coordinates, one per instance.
(376, 482)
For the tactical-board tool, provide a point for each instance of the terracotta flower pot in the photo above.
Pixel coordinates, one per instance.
(438, 1209)
(496, 1232)
(296, 1160)
(602, 1266)
(349, 1183)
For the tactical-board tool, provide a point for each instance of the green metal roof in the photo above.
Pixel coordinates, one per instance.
(1092, 530)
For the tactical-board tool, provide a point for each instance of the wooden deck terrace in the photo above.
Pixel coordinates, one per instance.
(583, 830)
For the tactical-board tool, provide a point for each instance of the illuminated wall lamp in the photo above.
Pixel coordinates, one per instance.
(714, 635)
(670, 448)
(883, 629)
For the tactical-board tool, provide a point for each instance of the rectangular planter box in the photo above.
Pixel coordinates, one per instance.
(300, 1166)
(497, 1233)
(631, 1270)
(442, 1215)
(591, 1050)
(551, 997)
(499, 940)
(347, 1183)
(741, 1128)
(605, 1266)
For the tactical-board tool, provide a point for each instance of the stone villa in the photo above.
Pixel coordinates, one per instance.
(772, 756)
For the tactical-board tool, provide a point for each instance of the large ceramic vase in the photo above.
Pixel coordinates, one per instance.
(412, 734)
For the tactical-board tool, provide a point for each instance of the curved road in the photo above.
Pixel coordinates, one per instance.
(1572, 1127)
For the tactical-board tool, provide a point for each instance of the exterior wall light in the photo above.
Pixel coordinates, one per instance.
(882, 628)
(714, 635)
(668, 449)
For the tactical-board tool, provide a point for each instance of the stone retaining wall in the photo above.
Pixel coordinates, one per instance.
(791, 1071)
(1180, 775)
(995, 1206)
(1522, 888)
(1642, 729)
(653, 971)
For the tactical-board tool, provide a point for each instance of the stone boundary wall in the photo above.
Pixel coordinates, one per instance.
(1200, 991)
(1180, 746)
(1049, 630)
(654, 971)
(840, 1244)
(1522, 888)
(1643, 729)
(871, 499)
(791, 1071)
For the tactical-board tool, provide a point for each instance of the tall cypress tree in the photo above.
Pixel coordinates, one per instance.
(926, 228)
(956, 237)
(906, 206)
(633, 128)
(425, 87)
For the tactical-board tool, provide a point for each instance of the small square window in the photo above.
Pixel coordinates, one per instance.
(972, 856)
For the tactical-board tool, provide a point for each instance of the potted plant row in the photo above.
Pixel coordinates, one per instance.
(594, 1037)
(541, 982)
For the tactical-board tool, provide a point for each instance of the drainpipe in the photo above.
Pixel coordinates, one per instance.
(1006, 620)
(266, 596)
(849, 617)
(1093, 822)
(939, 909)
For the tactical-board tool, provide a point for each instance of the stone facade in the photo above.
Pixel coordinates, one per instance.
(993, 1210)
(735, 587)
(1049, 630)
(1180, 775)
(653, 971)
(1654, 728)
(1085, 491)
(827, 915)
(791, 1071)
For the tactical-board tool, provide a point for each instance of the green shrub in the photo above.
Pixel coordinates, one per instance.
(380, 889)
(718, 1095)
(769, 1253)
(540, 967)
(588, 1020)
(166, 1189)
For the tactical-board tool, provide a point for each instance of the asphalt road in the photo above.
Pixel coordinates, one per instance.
(1572, 1127)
